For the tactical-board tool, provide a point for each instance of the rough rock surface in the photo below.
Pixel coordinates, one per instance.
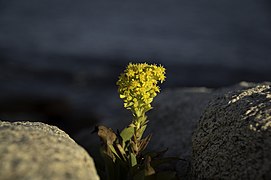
(33, 150)
(233, 137)
(175, 117)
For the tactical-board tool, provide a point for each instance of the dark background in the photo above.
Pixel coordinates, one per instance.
(60, 59)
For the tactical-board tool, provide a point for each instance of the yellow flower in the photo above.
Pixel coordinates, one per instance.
(138, 86)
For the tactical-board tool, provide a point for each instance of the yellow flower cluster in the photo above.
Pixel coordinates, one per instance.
(138, 86)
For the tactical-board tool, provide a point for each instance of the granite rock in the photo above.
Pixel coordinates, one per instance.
(175, 116)
(233, 137)
(33, 150)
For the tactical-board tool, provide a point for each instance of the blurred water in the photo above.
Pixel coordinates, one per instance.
(229, 33)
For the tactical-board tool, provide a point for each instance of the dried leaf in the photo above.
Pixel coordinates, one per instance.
(148, 168)
(144, 142)
(106, 134)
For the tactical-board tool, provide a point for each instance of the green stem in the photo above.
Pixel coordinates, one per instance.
(140, 126)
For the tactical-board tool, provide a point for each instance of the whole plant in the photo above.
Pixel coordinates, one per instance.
(124, 151)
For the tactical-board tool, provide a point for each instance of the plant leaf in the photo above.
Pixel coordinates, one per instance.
(106, 134)
(144, 142)
(121, 151)
(133, 159)
(148, 168)
(142, 119)
(141, 131)
(127, 133)
(112, 149)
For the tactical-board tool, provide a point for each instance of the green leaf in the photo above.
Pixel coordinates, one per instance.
(142, 119)
(147, 109)
(127, 133)
(121, 152)
(113, 150)
(133, 160)
(141, 131)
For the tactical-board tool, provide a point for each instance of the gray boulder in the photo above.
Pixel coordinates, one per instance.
(33, 150)
(175, 116)
(233, 137)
